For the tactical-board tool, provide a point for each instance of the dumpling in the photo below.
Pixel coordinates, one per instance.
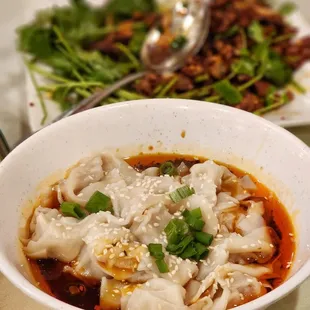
(204, 303)
(217, 257)
(88, 171)
(237, 283)
(149, 226)
(205, 178)
(112, 291)
(50, 237)
(209, 217)
(156, 294)
(109, 252)
(104, 167)
(225, 203)
(56, 236)
(180, 271)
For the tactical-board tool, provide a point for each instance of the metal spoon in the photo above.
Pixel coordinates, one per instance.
(191, 21)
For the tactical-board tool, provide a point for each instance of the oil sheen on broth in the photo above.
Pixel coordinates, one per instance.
(51, 278)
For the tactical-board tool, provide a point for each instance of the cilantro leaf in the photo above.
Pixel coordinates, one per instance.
(244, 65)
(228, 92)
(255, 32)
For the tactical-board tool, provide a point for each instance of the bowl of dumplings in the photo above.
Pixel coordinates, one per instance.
(157, 204)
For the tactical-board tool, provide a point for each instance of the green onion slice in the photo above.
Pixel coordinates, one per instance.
(189, 252)
(176, 230)
(194, 219)
(99, 202)
(177, 249)
(168, 168)
(162, 265)
(156, 250)
(196, 224)
(72, 209)
(181, 193)
(201, 251)
(204, 238)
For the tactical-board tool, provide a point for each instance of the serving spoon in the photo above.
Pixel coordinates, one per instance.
(190, 22)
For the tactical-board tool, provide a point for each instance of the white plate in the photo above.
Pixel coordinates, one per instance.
(297, 113)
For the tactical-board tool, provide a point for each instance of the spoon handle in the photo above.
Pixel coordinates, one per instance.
(95, 99)
(4, 146)
(84, 105)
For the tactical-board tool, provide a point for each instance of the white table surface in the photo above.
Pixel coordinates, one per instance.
(13, 122)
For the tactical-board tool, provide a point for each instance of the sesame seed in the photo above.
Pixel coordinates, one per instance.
(244, 246)
(271, 245)
(249, 280)
(156, 225)
(111, 256)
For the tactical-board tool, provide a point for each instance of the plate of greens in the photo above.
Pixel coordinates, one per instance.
(256, 57)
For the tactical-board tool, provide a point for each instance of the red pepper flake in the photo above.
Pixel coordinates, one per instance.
(97, 308)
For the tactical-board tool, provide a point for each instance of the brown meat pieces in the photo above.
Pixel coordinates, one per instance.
(224, 49)
(183, 83)
(297, 53)
(147, 85)
(222, 20)
(107, 45)
(250, 102)
(193, 67)
(262, 88)
(217, 67)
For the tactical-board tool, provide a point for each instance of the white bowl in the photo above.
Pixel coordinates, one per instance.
(270, 153)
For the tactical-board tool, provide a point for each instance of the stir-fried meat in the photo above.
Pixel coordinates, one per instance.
(229, 40)
(250, 103)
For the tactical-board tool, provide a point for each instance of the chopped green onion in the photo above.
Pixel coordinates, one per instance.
(196, 213)
(194, 219)
(179, 248)
(178, 43)
(204, 238)
(189, 252)
(99, 202)
(156, 250)
(162, 265)
(201, 251)
(196, 224)
(181, 193)
(176, 230)
(72, 209)
(168, 168)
